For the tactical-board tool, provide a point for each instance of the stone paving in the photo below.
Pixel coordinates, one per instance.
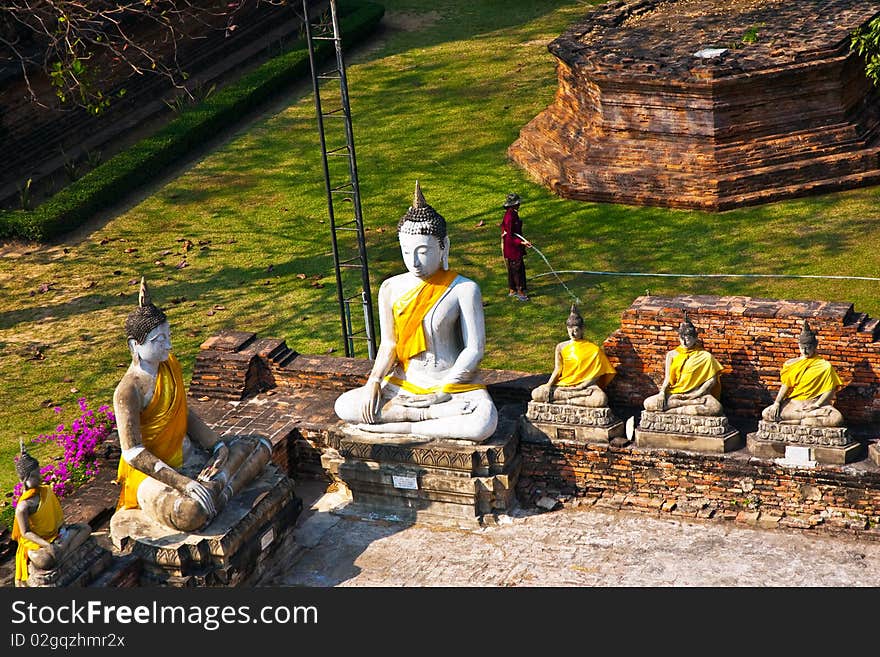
(569, 547)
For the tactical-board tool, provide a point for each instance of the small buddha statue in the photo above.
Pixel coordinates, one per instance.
(581, 370)
(809, 386)
(691, 383)
(425, 379)
(153, 419)
(43, 538)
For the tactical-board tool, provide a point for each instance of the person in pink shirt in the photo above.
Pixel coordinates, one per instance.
(513, 247)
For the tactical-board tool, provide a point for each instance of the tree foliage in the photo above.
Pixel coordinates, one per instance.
(77, 44)
(866, 42)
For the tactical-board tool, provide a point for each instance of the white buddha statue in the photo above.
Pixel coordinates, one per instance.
(425, 379)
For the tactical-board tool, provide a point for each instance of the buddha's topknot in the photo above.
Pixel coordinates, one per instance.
(422, 219)
(144, 318)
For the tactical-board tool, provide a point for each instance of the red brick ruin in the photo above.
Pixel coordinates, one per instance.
(785, 110)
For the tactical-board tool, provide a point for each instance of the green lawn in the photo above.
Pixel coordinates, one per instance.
(440, 103)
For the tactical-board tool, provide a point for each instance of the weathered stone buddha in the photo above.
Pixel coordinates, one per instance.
(153, 420)
(691, 385)
(580, 372)
(809, 386)
(425, 379)
(44, 541)
(686, 413)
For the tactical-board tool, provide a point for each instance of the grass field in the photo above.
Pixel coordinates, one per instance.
(438, 96)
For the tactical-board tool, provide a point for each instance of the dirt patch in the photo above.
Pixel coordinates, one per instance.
(410, 22)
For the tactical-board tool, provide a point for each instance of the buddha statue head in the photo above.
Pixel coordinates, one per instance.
(687, 332)
(424, 243)
(147, 329)
(575, 323)
(27, 468)
(807, 341)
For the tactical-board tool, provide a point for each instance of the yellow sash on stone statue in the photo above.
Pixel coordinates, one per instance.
(807, 378)
(44, 522)
(581, 361)
(410, 310)
(163, 427)
(691, 368)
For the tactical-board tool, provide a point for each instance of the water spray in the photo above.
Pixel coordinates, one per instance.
(552, 271)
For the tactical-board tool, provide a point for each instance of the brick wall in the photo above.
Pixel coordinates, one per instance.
(729, 487)
(751, 338)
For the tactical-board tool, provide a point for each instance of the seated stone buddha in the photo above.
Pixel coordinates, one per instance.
(425, 379)
(691, 383)
(153, 420)
(809, 386)
(43, 538)
(581, 370)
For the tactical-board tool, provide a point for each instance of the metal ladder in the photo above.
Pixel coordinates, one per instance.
(341, 184)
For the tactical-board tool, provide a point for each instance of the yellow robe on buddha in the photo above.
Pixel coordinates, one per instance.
(163, 427)
(45, 522)
(807, 378)
(581, 361)
(691, 368)
(409, 312)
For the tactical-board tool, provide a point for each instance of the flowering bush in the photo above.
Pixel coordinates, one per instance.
(79, 463)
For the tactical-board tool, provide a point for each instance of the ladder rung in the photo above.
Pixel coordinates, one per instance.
(335, 111)
(357, 296)
(323, 38)
(347, 223)
(329, 76)
(337, 149)
(356, 258)
(342, 188)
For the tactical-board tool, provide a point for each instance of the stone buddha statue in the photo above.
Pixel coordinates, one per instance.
(581, 370)
(809, 385)
(425, 379)
(691, 383)
(43, 538)
(153, 420)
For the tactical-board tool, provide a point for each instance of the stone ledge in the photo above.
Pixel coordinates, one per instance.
(826, 454)
(715, 444)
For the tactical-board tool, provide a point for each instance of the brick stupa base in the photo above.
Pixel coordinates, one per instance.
(665, 102)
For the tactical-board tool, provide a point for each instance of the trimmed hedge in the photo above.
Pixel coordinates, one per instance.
(128, 170)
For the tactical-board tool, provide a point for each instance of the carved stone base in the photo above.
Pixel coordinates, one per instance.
(562, 422)
(434, 481)
(234, 549)
(696, 433)
(78, 568)
(831, 454)
(874, 453)
(796, 434)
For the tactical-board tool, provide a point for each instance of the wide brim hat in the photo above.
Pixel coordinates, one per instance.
(512, 200)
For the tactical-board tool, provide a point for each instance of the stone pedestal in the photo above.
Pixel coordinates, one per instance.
(571, 423)
(236, 548)
(695, 433)
(78, 568)
(827, 444)
(434, 481)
